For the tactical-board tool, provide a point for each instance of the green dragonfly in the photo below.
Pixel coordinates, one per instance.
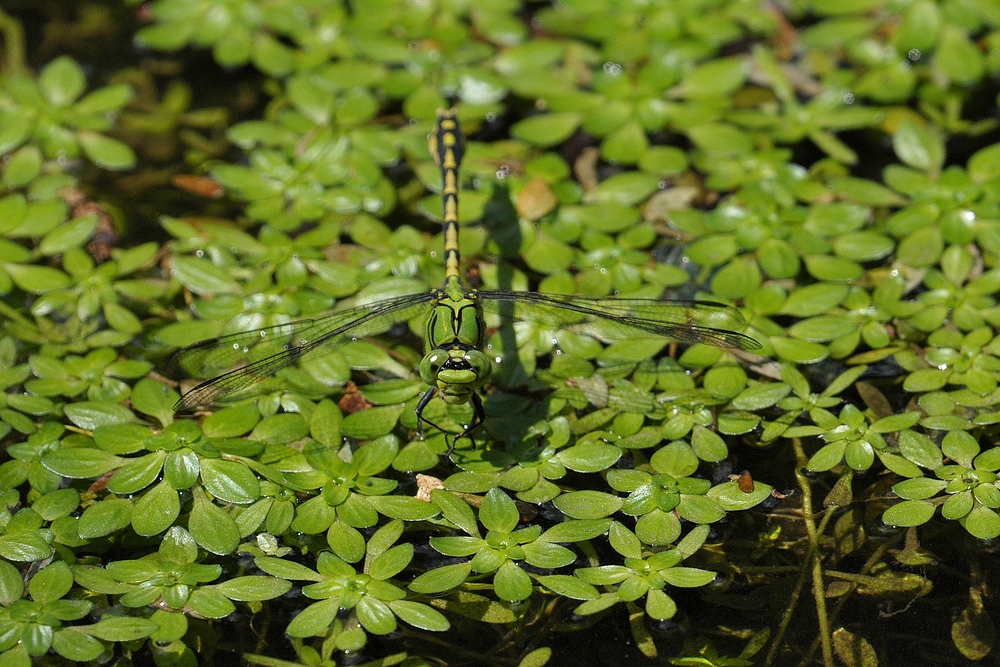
(455, 366)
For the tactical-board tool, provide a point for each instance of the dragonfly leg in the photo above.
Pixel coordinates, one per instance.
(478, 417)
(424, 400)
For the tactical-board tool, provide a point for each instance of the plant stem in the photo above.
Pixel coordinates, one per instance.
(13, 39)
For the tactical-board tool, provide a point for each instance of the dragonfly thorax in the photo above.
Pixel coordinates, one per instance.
(455, 318)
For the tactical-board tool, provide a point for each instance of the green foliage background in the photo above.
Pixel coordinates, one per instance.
(185, 168)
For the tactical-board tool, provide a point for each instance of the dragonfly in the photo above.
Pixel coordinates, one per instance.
(455, 366)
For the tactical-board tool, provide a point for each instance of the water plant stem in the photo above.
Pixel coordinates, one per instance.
(13, 39)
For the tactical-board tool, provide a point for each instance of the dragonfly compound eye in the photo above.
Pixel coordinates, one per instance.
(481, 364)
(431, 365)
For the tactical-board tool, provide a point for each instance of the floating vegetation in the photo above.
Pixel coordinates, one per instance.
(828, 173)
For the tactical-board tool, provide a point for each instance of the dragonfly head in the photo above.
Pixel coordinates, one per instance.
(456, 372)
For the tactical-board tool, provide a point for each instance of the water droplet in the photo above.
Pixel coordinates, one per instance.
(848, 98)
(914, 55)
(612, 69)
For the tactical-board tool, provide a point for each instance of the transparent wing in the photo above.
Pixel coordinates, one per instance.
(237, 361)
(689, 321)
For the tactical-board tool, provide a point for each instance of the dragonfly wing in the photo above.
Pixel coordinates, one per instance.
(689, 321)
(237, 361)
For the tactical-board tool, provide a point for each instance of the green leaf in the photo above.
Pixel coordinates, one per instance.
(202, 277)
(23, 167)
(371, 423)
(457, 546)
(511, 583)
(547, 129)
(75, 646)
(658, 528)
(625, 145)
(628, 189)
(11, 584)
(919, 147)
(106, 152)
(280, 429)
(325, 423)
(254, 588)
(392, 562)
(572, 530)
(498, 512)
(456, 510)
(918, 488)
(984, 165)
(212, 527)
(587, 504)
(537, 658)
(814, 299)
(37, 279)
(677, 459)
(624, 541)
(13, 133)
(568, 587)
(982, 522)
(605, 601)
(62, 81)
(420, 615)
(687, 577)
(229, 481)
(731, 497)
(799, 351)
(828, 456)
(120, 628)
(80, 462)
(547, 555)
(314, 619)
(441, 579)
(105, 517)
(91, 415)
(863, 246)
(715, 77)
(154, 399)
(920, 449)
(24, 547)
(957, 57)
(403, 507)
(699, 509)
(660, 606)
(708, 445)
(375, 616)
(50, 583)
(286, 569)
(908, 513)
(122, 319)
(605, 575)
(377, 455)
(231, 422)
(105, 100)
(72, 234)
(589, 456)
(156, 510)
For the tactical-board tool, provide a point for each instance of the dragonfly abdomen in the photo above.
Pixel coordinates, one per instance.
(446, 146)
